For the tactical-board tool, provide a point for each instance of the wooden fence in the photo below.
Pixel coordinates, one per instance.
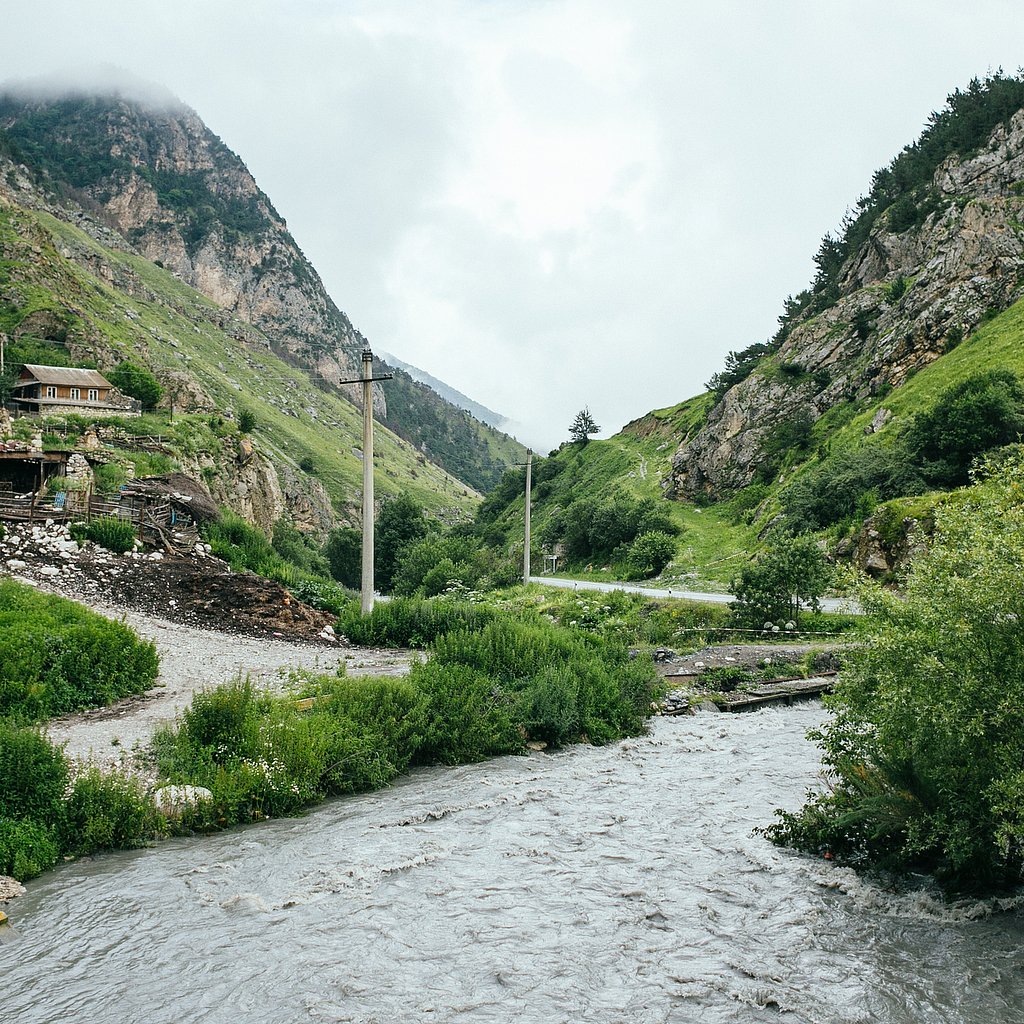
(151, 520)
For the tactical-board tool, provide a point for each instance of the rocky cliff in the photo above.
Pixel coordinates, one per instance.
(905, 296)
(178, 196)
(150, 179)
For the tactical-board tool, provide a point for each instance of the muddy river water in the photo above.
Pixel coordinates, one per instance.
(605, 885)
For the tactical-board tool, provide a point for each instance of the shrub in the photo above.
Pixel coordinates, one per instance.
(112, 533)
(410, 622)
(592, 528)
(137, 382)
(648, 555)
(896, 289)
(927, 742)
(107, 812)
(56, 656)
(27, 849)
(33, 775)
(467, 717)
(246, 421)
(240, 545)
(834, 492)
(983, 412)
(375, 728)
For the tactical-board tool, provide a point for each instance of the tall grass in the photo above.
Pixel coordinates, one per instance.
(44, 817)
(491, 686)
(56, 656)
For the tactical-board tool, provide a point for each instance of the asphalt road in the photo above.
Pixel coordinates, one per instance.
(828, 604)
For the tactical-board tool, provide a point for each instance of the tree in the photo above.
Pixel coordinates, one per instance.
(789, 573)
(136, 382)
(926, 748)
(344, 553)
(582, 427)
(400, 522)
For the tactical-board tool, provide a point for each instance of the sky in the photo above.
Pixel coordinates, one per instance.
(548, 204)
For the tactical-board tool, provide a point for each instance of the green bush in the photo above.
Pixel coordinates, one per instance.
(648, 555)
(410, 621)
(33, 775)
(983, 412)
(137, 382)
(27, 849)
(246, 421)
(109, 477)
(926, 746)
(835, 491)
(468, 717)
(56, 656)
(112, 533)
(107, 812)
(240, 545)
(375, 730)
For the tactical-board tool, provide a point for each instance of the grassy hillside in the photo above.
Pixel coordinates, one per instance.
(710, 543)
(117, 306)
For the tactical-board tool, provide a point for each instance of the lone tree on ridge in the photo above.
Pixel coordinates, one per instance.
(582, 427)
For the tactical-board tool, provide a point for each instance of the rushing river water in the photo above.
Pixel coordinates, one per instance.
(604, 885)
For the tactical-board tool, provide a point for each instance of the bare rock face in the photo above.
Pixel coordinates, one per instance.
(174, 193)
(183, 393)
(918, 292)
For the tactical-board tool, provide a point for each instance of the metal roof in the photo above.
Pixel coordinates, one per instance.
(65, 375)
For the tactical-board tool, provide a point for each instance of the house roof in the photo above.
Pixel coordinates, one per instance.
(66, 375)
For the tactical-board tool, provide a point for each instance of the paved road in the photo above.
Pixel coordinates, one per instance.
(828, 604)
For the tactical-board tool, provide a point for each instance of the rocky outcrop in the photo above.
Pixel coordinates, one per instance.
(905, 298)
(166, 187)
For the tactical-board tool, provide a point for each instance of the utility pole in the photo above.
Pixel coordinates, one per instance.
(367, 379)
(526, 517)
(367, 602)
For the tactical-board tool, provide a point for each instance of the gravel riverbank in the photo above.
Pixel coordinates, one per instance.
(192, 659)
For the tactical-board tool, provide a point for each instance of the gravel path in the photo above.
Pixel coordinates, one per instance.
(192, 659)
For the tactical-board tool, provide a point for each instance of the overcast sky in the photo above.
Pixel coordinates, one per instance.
(549, 203)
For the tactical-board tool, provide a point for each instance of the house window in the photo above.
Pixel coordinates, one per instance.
(51, 391)
(76, 395)
(94, 395)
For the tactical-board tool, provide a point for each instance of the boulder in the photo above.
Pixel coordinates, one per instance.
(173, 801)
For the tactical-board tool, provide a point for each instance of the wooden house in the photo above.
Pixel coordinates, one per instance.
(58, 390)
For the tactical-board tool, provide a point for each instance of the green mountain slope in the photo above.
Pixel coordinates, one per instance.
(64, 294)
(918, 308)
(150, 178)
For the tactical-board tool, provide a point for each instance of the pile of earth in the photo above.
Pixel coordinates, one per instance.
(195, 590)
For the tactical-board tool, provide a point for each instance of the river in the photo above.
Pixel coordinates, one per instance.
(591, 885)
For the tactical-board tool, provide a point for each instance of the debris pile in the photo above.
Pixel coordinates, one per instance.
(197, 589)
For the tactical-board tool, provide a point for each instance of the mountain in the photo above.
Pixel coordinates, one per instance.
(935, 252)
(901, 362)
(149, 178)
(450, 394)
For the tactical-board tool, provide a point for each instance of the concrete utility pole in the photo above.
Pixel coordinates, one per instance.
(526, 548)
(367, 602)
(367, 380)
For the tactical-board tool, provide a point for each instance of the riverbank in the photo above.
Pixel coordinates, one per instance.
(193, 659)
